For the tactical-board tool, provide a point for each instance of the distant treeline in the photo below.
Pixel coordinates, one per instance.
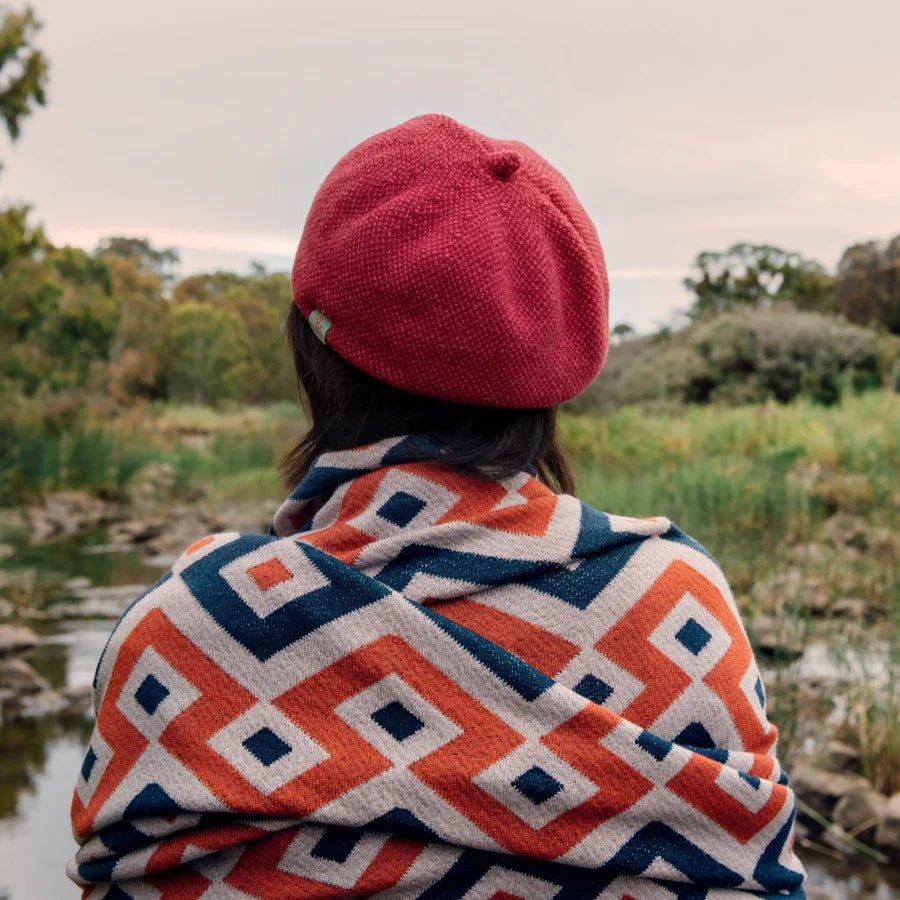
(116, 323)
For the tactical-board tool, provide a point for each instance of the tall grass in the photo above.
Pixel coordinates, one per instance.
(208, 450)
(733, 478)
(36, 461)
(751, 483)
(871, 720)
(739, 508)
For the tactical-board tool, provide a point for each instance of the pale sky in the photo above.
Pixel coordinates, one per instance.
(682, 126)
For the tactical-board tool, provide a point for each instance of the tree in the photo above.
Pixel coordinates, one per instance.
(757, 275)
(23, 69)
(58, 315)
(87, 313)
(623, 332)
(142, 253)
(18, 237)
(868, 284)
(23, 80)
(139, 344)
(260, 301)
(208, 353)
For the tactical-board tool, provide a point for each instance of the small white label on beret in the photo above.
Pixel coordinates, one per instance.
(320, 324)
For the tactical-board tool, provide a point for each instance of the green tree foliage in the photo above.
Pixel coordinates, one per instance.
(623, 332)
(756, 275)
(23, 69)
(23, 81)
(19, 237)
(781, 355)
(260, 300)
(209, 354)
(868, 284)
(104, 322)
(138, 348)
(143, 254)
(57, 318)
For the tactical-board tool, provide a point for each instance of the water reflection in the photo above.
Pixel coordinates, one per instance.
(35, 845)
(40, 754)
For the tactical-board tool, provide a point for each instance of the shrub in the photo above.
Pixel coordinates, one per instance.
(745, 357)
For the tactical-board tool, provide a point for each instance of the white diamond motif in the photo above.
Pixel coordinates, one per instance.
(180, 694)
(663, 637)
(103, 754)
(518, 884)
(437, 729)
(297, 859)
(302, 754)
(497, 780)
(304, 576)
(752, 798)
(437, 499)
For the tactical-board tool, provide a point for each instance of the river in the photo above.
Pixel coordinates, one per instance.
(74, 589)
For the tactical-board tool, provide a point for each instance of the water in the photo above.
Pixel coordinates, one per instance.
(36, 843)
(40, 757)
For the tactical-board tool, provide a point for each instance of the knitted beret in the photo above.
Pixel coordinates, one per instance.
(455, 266)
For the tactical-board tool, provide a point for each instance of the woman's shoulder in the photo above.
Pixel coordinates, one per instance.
(647, 546)
(615, 527)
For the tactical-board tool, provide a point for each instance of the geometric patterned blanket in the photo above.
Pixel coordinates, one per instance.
(425, 684)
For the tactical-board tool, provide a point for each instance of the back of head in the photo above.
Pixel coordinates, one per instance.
(449, 283)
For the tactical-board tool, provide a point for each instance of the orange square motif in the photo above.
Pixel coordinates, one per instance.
(269, 573)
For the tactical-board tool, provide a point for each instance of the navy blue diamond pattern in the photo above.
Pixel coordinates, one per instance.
(693, 635)
(695, 735)
(760, 692)
(594, 688)
(87, 766)
(397, 720)
(266, 746)
(400, 508)
(337, 843)
(152, 800)
(150, 694)
(653, 744)
(537, 785)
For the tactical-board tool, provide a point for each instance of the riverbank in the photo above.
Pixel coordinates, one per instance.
(798, 504)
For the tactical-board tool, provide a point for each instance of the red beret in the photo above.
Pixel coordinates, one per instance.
(455, 266)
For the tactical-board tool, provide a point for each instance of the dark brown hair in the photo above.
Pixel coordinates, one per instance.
(346, 408)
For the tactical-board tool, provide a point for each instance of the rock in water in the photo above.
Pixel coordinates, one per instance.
(19, 678)
(888, 833)
(16, 639)
(822, 789)
(860, 812)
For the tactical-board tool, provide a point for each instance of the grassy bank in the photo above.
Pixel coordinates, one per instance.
(745, 481)
(231, 454)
